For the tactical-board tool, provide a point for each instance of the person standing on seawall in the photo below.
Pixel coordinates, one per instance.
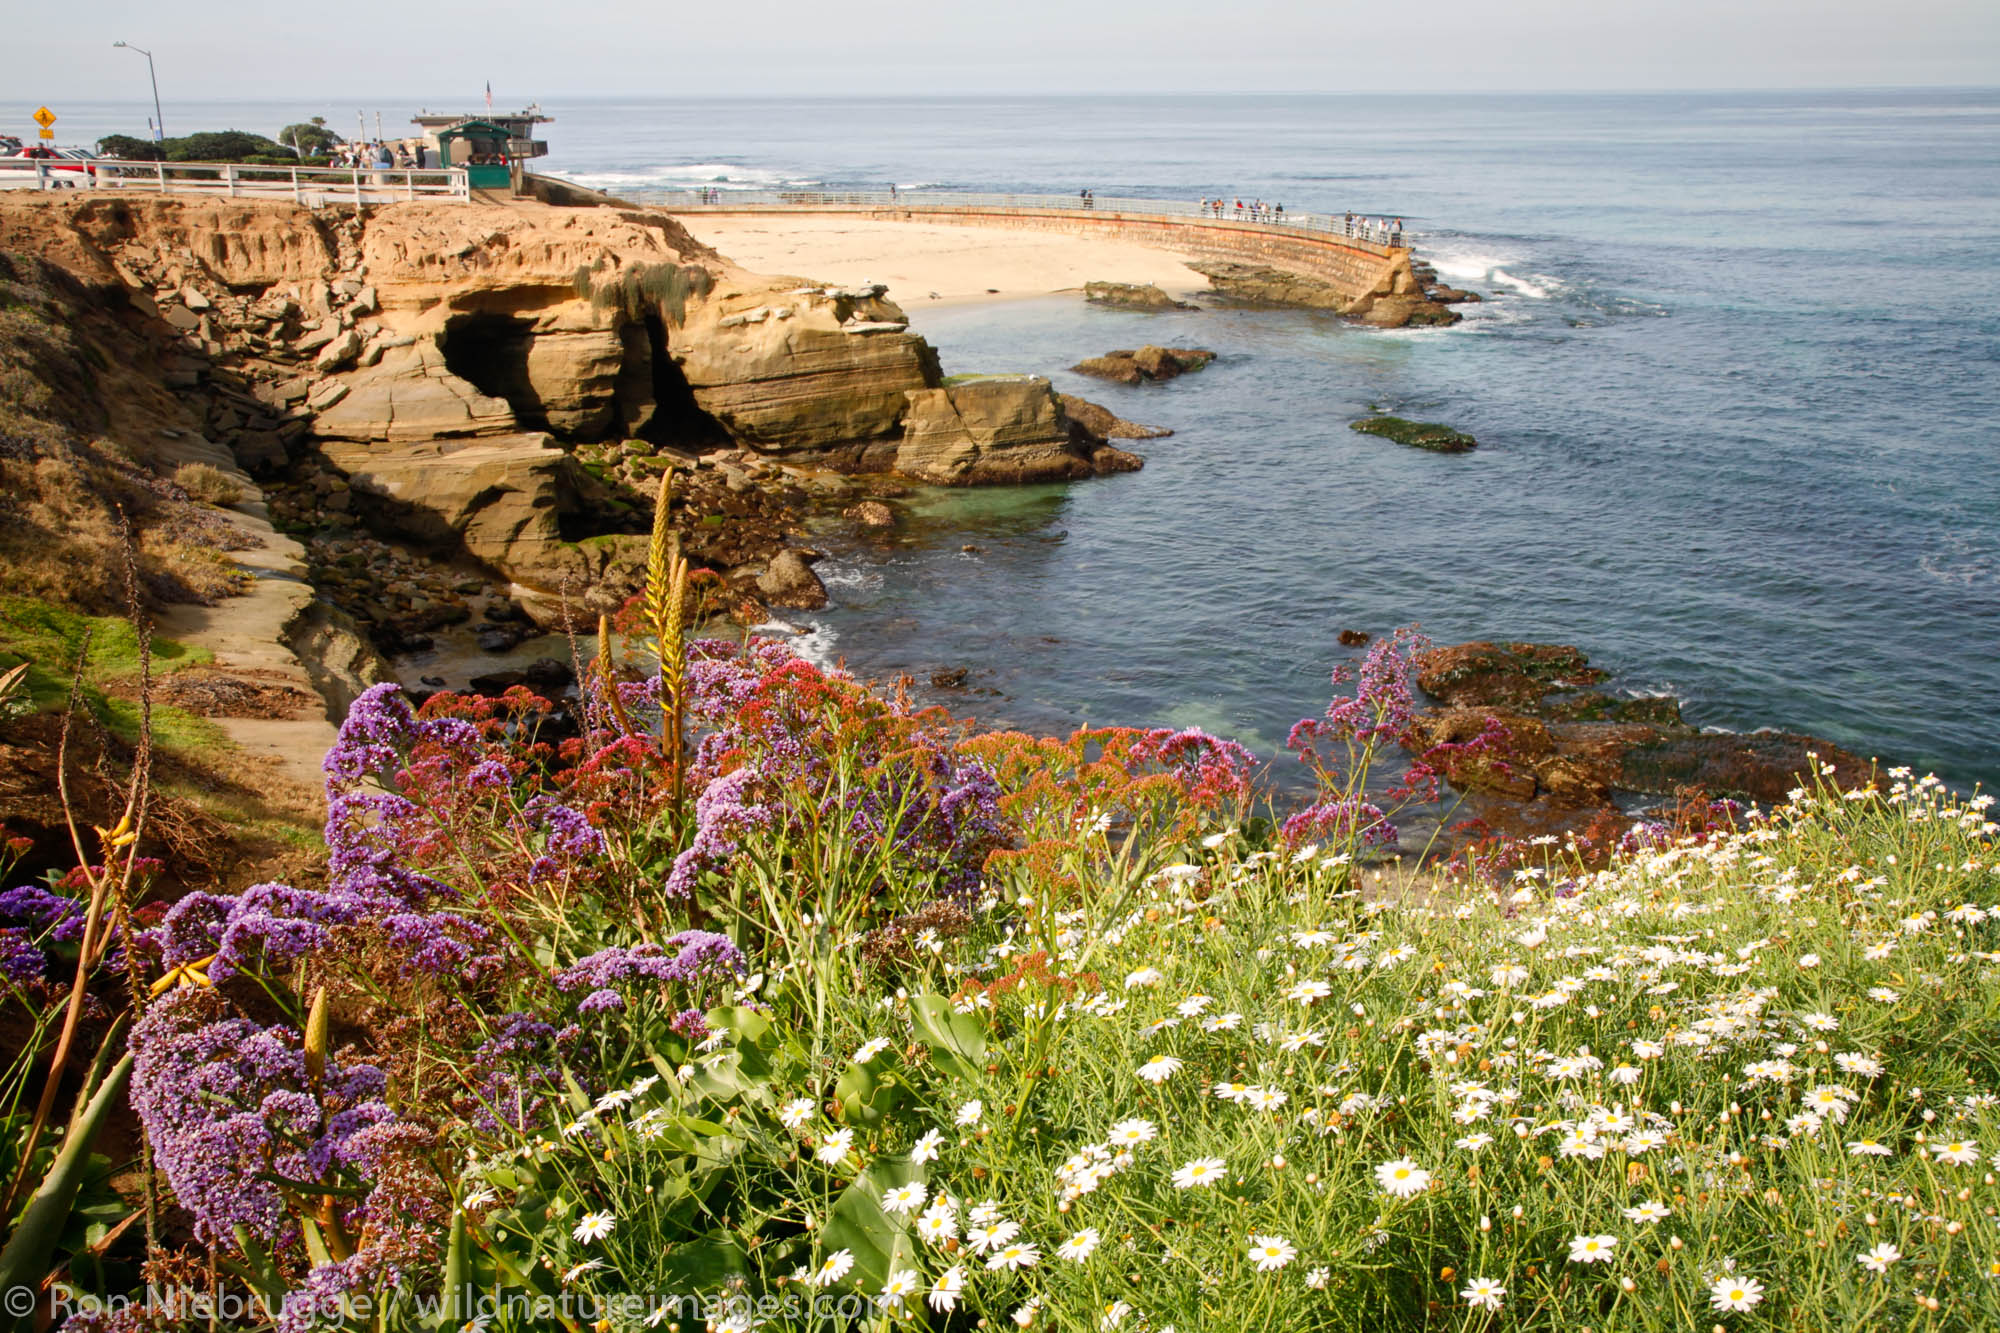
(1350, 224)
(1398, 232)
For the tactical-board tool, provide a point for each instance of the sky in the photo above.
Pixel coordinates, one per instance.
(223, 49)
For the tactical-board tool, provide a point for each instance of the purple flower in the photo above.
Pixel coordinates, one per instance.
(698, 956)
(38, 907)
(1341, 821)
(226, 1103)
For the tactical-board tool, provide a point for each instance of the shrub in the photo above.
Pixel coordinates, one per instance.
(208, 483)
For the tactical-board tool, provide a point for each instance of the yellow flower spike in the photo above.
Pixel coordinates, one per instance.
(187, 974)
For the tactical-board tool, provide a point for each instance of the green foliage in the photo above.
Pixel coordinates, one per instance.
(47, 639)
(130, 149)
(312, 138)
(663, 287)
(224, 146)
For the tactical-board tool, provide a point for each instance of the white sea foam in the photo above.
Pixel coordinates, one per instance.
(1465, 265)
(816, 645)
(1522, 285)
(856, 577)
(712, 175)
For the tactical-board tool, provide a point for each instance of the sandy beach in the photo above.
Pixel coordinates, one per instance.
(927, 264)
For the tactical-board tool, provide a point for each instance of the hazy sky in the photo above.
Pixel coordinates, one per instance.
(408, 49)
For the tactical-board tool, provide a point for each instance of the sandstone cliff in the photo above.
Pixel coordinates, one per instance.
(431, 371)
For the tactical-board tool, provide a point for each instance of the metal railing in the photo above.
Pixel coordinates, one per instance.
(312, 186)
(1375, 231)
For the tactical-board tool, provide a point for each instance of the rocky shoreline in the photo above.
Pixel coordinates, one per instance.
(1564, 754)
(465, 417)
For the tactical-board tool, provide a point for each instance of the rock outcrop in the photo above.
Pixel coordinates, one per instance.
(1104, 423)
(409, 396)
(1427, 435)
(998, 429)
(1569, 745)
(496, 499)
(1146, 365)
(1259, 285)
(503, 387)
(808, 370)
(1132, 296)
(790, 583)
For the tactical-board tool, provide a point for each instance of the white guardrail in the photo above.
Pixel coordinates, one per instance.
(1376, 230)
(312, 186)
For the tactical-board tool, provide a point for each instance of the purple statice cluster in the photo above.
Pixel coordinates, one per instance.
(1382, 708)
(516, 1067)
(38, 917)
(227, 1105)
(722, 814)
(690, 959)
(777, 731)
(1208, 768)
(1343, 822)
(566, 835)
(404, 1214)
(373, 836)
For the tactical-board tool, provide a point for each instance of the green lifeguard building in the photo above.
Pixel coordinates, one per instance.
(492, 148)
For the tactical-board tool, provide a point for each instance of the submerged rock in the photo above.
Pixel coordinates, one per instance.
(1393, 304)
(1145, 365)
(1417, 434)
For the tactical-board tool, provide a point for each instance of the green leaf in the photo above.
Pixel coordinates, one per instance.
(706, 1264)
(957, 1041)
(880, 1243)
(866, 1093)
(25, 1260)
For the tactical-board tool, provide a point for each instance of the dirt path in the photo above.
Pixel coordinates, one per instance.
(248, 636)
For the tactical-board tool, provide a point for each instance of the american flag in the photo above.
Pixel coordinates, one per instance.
(489, 94)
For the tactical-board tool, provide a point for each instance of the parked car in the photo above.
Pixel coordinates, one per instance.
(71, 163)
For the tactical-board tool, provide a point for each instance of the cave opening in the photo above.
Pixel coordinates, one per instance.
(490, 352)
(678, 421)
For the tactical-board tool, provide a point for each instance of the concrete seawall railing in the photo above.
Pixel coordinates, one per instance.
(314, 187)
(1317, 245)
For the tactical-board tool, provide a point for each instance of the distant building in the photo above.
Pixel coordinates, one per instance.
(489, 140)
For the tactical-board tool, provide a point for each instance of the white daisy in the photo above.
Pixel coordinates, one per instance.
(594, 1226)
(1402, 1178)
(1201, 1171)
(1079, 1247)
(1270, 1253)
(1738, 1294)
(1591, 1249)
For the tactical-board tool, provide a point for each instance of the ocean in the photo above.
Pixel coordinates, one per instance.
(1735, 391)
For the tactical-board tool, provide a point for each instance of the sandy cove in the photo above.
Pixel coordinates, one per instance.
(926, 264)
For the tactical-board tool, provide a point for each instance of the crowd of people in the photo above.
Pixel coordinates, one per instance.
(1255, 211)
(407, 155)
(1382, 231)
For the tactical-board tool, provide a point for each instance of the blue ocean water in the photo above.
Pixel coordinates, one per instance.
(1736, 395)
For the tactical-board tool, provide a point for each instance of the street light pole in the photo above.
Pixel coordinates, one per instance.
(159, 121)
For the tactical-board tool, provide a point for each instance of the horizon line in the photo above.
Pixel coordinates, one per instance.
(1246, 93)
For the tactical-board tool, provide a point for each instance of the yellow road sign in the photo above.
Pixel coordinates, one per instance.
(45, 118)
(48, 134)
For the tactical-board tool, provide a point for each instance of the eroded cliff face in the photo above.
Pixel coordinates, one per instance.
(434, 369)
